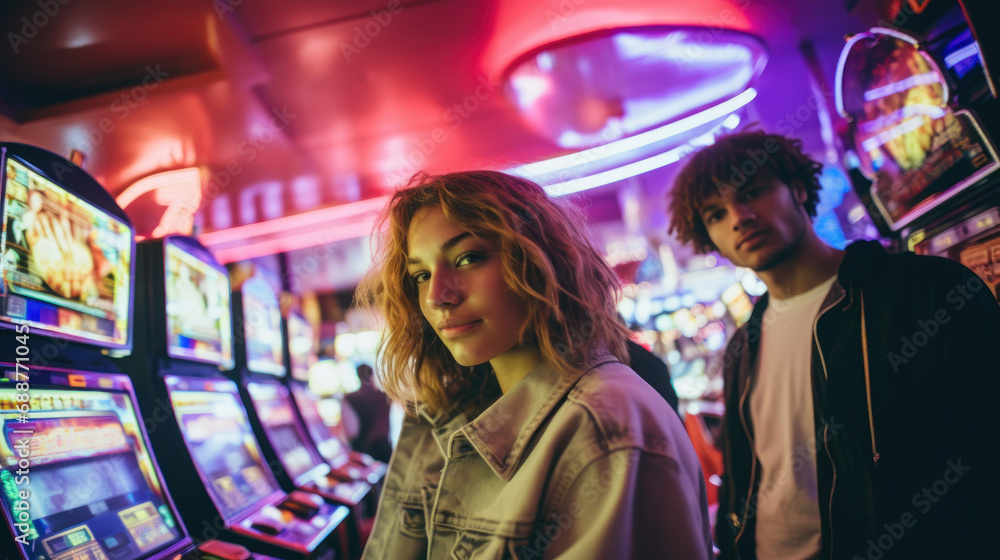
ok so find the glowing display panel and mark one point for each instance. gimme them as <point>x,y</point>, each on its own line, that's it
<point>262,326</point>
<point>92,487</point>
<point>66,264</point>
<point>276,411</point>
<point>915,149</point>
<point>199,322</point>
<point>322,419</point>
<point>300,346</point>
<point>218,436</point>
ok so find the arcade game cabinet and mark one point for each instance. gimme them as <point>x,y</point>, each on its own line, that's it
<point>923,113</point>
<point>184,337</point>
<point>78,479</point>
<point>260,363</point>
<point>328,435</point>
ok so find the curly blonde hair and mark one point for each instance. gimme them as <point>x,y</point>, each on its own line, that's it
<point>569,290</point>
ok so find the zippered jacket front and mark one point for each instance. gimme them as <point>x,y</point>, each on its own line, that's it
<point>906,382</point>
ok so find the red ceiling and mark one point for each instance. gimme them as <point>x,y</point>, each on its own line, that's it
<point>368,88</point>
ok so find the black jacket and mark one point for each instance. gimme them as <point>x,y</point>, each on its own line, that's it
<point>652,370</point>
<point>933,346</point>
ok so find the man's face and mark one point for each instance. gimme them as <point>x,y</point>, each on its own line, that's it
<point>757,226</point>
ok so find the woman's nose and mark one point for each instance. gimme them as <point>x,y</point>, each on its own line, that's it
<point>443,290</point>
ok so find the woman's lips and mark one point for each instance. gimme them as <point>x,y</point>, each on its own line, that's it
<point>459,330</point>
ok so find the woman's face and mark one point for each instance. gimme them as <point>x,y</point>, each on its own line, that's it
<point>461,288</point>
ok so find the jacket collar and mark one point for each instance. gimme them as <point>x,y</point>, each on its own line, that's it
<point>862,260</point>
<point>501,433</point>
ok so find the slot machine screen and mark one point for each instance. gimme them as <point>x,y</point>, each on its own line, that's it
<point>973,241</point>
<point>222,445</point>
<point>199,322</point>
<point>66,264</point>
<point>325,429</point>
<point>93,490</point>
<point>262,327</point>
<point>276,411</point>
<point>914,148</point>
<point>300,346</point>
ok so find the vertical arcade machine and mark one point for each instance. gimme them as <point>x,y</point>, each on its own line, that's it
<point>184,337</point>
<point>323,421</point>
<point>77,477</point>
<point>260,362</point>
<point>922,110</point>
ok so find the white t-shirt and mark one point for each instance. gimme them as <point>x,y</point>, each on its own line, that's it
<point>781,406</point>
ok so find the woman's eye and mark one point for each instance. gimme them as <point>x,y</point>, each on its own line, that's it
<point>713,217</point>
<point>469,258</point>
<point>420,277</point>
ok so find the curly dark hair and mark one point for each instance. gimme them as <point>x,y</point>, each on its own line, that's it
<point>731,163</point>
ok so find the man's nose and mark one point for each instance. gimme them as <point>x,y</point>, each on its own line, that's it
<point>742,215</point>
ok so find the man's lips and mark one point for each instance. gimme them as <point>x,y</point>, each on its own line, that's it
<point>450,329</point>
<point>751,238</point>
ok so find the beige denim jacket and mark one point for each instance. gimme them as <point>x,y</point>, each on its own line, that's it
<point>593,466</point>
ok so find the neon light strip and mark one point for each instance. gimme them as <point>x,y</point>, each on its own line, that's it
<point>300,241</point>
<point>296,221</point>
<point>965,52</point>
<point>626,171</point>
<point>931,111</point>
<point>670,130</point>
<point>364,226</point>
<point>913,81</point>
<point>871,144</point>
<point>185,176</point>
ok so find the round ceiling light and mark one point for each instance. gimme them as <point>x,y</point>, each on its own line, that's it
<point>600,87</point>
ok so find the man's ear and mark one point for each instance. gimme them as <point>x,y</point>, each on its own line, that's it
<point>799,192</point>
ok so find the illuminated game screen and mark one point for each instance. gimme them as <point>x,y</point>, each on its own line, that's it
<point>221,442</point>
<point>93,491</point>
<point>973,241</point>
<point>199,323</point>
<point>276,411</point>
<point>262,326</point>
<point>66,264</point>
<point>300,346</point>
<point>914,148</point>
<point>323,424</point>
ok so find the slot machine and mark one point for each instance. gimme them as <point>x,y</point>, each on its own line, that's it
<point>78,479</point>
<point>923,114</point>
<point>347,465</point>
<point>184,342</point>
<point>261,362</point>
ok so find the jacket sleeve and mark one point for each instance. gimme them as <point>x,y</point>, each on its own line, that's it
<point>631,504</point>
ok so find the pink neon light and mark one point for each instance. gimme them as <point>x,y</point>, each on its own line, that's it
<point>293,242</point>
<point>332,214</point>
<point>186,176</point>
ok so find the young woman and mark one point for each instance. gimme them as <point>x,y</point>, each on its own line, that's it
<point>528,437</point>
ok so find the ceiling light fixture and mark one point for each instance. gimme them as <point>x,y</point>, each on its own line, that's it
<point>676,128</point>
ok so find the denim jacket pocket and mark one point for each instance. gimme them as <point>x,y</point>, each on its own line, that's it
<point>472,545</point>
<point>412,522</point>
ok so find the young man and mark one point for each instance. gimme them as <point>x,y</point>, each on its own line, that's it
<point>862,394</point>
